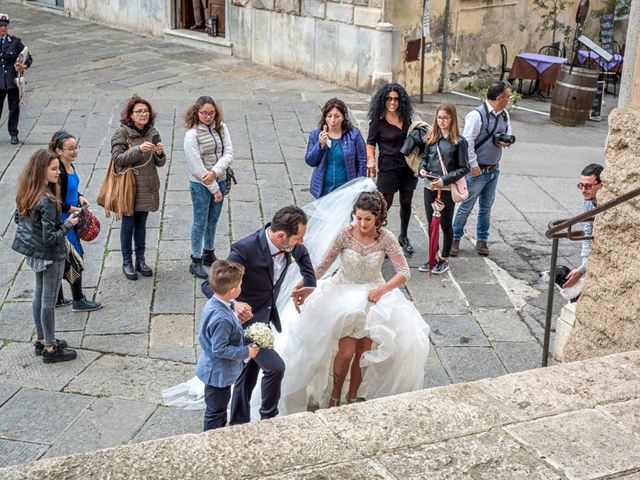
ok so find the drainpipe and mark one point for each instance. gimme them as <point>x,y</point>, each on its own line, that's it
<point>445,46</point>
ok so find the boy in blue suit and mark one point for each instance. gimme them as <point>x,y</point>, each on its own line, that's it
<point>222,341</point>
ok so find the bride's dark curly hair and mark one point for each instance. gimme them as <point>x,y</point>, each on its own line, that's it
<point>375,203</point>
<point>378,105</point>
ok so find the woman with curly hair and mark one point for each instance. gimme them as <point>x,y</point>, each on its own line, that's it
<point>390,114</point>
<point>40,236</point>
<point>354,322</point>
<point>336,150</point>
<point>136,145</point>
<point>209,152</point>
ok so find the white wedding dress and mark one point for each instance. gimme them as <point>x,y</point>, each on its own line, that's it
<point>339,308</point>
<point>308,342</point>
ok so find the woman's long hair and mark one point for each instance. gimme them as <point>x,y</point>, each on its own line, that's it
<point>32,183</point>
<point>191,119</point>
<point>58,139</point>
<point>378,105</point>
<point>375,203</point>
<point>342,108</point>
<point>434,133</point>
<point>125,116</point>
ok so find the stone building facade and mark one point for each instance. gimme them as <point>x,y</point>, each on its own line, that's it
<point>356,43</point>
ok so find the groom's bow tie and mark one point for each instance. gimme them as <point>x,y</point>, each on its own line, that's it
<point>279,252</point>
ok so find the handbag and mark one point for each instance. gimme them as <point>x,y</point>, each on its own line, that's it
<point>88,227</point>
<point>230,177</point>
<point>459,191</point>
<point>118,191</point>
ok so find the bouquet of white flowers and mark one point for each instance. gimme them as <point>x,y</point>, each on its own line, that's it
<point>260,334</point>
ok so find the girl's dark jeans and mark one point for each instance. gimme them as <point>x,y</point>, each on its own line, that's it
<point>133,229</point>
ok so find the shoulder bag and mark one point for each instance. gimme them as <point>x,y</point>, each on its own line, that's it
<point>459,191</point>
<point>118,192</point>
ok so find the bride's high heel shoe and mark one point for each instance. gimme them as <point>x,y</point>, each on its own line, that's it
<point>334,402</point>
<point>355,400</point>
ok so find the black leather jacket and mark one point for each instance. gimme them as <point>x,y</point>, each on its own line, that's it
<point>455,158</point>
<point>41,234</point>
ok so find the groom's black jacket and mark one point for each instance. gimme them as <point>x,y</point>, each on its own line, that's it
<point>258,288</point>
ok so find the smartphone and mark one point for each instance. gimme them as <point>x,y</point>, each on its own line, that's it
<point>431,176</point>
<point>155,139</point>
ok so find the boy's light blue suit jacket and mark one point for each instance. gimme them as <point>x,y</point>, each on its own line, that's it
<point>223,347</point>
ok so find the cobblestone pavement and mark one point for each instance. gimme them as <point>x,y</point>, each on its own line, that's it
<point>485,315</point>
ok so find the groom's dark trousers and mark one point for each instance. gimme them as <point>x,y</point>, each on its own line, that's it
<point>260,290</point>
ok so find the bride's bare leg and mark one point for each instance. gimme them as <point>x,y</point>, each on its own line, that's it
<point>346,350</point>
<point>362,345</point>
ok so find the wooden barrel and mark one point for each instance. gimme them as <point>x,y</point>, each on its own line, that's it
<point>573,95</point>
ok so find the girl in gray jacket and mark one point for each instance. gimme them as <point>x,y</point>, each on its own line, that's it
<point>40,236</point>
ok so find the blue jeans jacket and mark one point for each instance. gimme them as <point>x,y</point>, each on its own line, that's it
<point>355,158</point>
<point>223,348</point>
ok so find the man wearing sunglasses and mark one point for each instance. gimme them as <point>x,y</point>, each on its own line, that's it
<point>590,184</point>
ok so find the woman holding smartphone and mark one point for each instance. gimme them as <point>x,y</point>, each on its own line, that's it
<point>443,144</point>
<point>132,146</point>
<point>40,237</point>
<point>65,146</point>
<point>209,152</point>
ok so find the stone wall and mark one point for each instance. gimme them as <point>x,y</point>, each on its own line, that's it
<point>147,17</point>
<point>332,40</point>
<point>476,30</point>
<point>572,421</point>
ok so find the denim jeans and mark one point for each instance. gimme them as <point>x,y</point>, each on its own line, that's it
<point>44,301</point>
<point>206,213</point>
<point>134,228</point>
<point>483,189</point>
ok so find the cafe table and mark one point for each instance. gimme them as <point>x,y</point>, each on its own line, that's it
<point>587,57</point>
<point>543,69</point>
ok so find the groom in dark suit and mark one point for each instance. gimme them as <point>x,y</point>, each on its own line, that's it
<point>266,256</point>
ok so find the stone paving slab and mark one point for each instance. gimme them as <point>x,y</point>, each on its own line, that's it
<point>417,418</point>
<point>131,378</point>
<point>583,444</point>
<point>107,422</point>
<point>168,422</point>
<point>455,330</point>
<point>465,364</point>
<point>135,344</point>
<point>13,452</point>
<point>353,470</point>
<point>39,416</point>
<point>519,356</point>
<point>20,366</point>
<point>490,455</point>
<point>6,392</point>
<point>16,321</point>
<point>543,394</point>
<point>502,326</point>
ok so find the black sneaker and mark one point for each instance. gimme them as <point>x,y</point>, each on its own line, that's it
<point>85,305</point>
<point>406,245</point>
<point>440,267</point>
<point>208,257</point>
<point>58,355</point>
<point>424,267</point>
<point>39,346</point>
<point>14,140</point>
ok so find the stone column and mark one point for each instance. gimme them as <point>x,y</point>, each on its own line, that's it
<point>382,55</point>
<point>608,312</point>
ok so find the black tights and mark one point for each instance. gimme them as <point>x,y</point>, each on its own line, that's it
<point>406,198</point>
<point>76,290</point>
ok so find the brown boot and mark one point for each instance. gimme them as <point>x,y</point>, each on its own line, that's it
<point>482,248</point>
<point>455,248</point>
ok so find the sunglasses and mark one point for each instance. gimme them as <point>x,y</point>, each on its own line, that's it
<point>587,186</point>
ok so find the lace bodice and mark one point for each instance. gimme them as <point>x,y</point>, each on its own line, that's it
<point>363,263</point>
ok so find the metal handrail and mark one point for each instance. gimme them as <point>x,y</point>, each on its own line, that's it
<point>562,229</point>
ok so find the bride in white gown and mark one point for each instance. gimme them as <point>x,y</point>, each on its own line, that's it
<point>309,341</point>
<point>354,322</point>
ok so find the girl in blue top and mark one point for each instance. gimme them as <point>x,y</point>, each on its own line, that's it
<point>336,150</point>
<point>65,147</point>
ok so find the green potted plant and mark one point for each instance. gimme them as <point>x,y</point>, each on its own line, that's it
<point>549,11</point>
